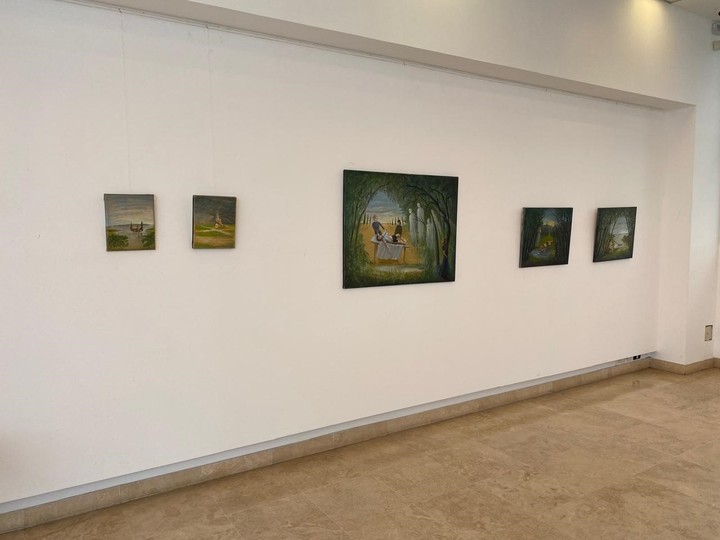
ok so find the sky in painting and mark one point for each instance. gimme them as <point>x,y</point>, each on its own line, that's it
<point>206,206</point>
<point>621,226</point>
<point>126,209</point>
<point>549,217</point>
<point>385,208</point>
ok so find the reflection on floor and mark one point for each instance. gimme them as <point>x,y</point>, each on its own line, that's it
<point>633,457</point>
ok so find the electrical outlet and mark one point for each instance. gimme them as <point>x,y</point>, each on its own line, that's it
<point>716,45</point>
<point>708,332</point>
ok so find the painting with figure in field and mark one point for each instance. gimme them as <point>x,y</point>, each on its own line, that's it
<point>545,236</point>
<point>614,234</point>
<point>213,222</point>
<point>129,222</point>
<point>398,229</point>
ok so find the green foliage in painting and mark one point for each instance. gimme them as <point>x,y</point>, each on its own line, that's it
<point>148,239</point>
<point>116,241</point>
<point>419,222</point>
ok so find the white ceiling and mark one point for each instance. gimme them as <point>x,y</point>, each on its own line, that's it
<point>706,8</point>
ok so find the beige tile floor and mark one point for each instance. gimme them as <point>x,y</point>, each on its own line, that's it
<point>633,457</point>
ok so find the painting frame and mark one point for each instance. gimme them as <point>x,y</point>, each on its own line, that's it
<point>129,222</point>
<point>398,228</point>
<point>545,234</point>
<point>614,233</point>
<point>214,219</point>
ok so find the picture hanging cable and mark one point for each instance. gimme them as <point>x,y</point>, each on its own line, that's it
<point>125,96</point>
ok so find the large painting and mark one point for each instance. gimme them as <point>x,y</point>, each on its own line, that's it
<point>545,236</point>
<point>213,222</point>
<point>398,229</point>
<point>129,222</point>
<point>614,233</point>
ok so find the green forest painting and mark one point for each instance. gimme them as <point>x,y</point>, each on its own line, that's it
<point>614,233</point>
<point>129,222</point>
<point>213,222</point>
<point>545,236</point>
<point>398,229</point>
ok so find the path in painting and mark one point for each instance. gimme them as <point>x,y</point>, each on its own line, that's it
<point>210,237</point>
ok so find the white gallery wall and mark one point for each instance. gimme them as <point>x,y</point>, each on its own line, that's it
<point>115,363</point>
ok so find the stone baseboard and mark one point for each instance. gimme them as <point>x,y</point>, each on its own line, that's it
<point>104,498</point>
<point>684,369</point>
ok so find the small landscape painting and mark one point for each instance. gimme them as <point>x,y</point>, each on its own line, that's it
<point>614,233</point>
<point>213,222</point>
<point>545,236</point>
<point>129,222</point>
<point>398,229</point>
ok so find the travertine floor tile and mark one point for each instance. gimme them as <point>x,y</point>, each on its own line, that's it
<point>643,405</point>
<point>704,526</point>
<point>353,502</point>
<point>246,490</point>
<point>694,393</point>
<point>534,491</point>
<point>591,421</point>
<point>476,461</point>
<point>685,477</point>
<point>706,455</point>
<point>532,445</point>
<point>708,411</point>
<point>617,447</point>
<point>291,518</point>
<point>167,518</point>
<point>403,526</point>
<point>691,427</point>
<point>474,511</point>
<point>586,470</point>
<point>634,509</point>
<point>15,535</point>
<point>528,528</point>
<point>658,438</point>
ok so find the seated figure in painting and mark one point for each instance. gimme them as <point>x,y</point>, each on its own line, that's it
<point>397,236</point>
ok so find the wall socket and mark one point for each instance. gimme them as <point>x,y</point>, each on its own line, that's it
<point>716,45</point>
<point>708,332</point>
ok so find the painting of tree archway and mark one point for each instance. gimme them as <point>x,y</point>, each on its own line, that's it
<point>398,229</point>
<point>545,236</point>
<point>614,233</point>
